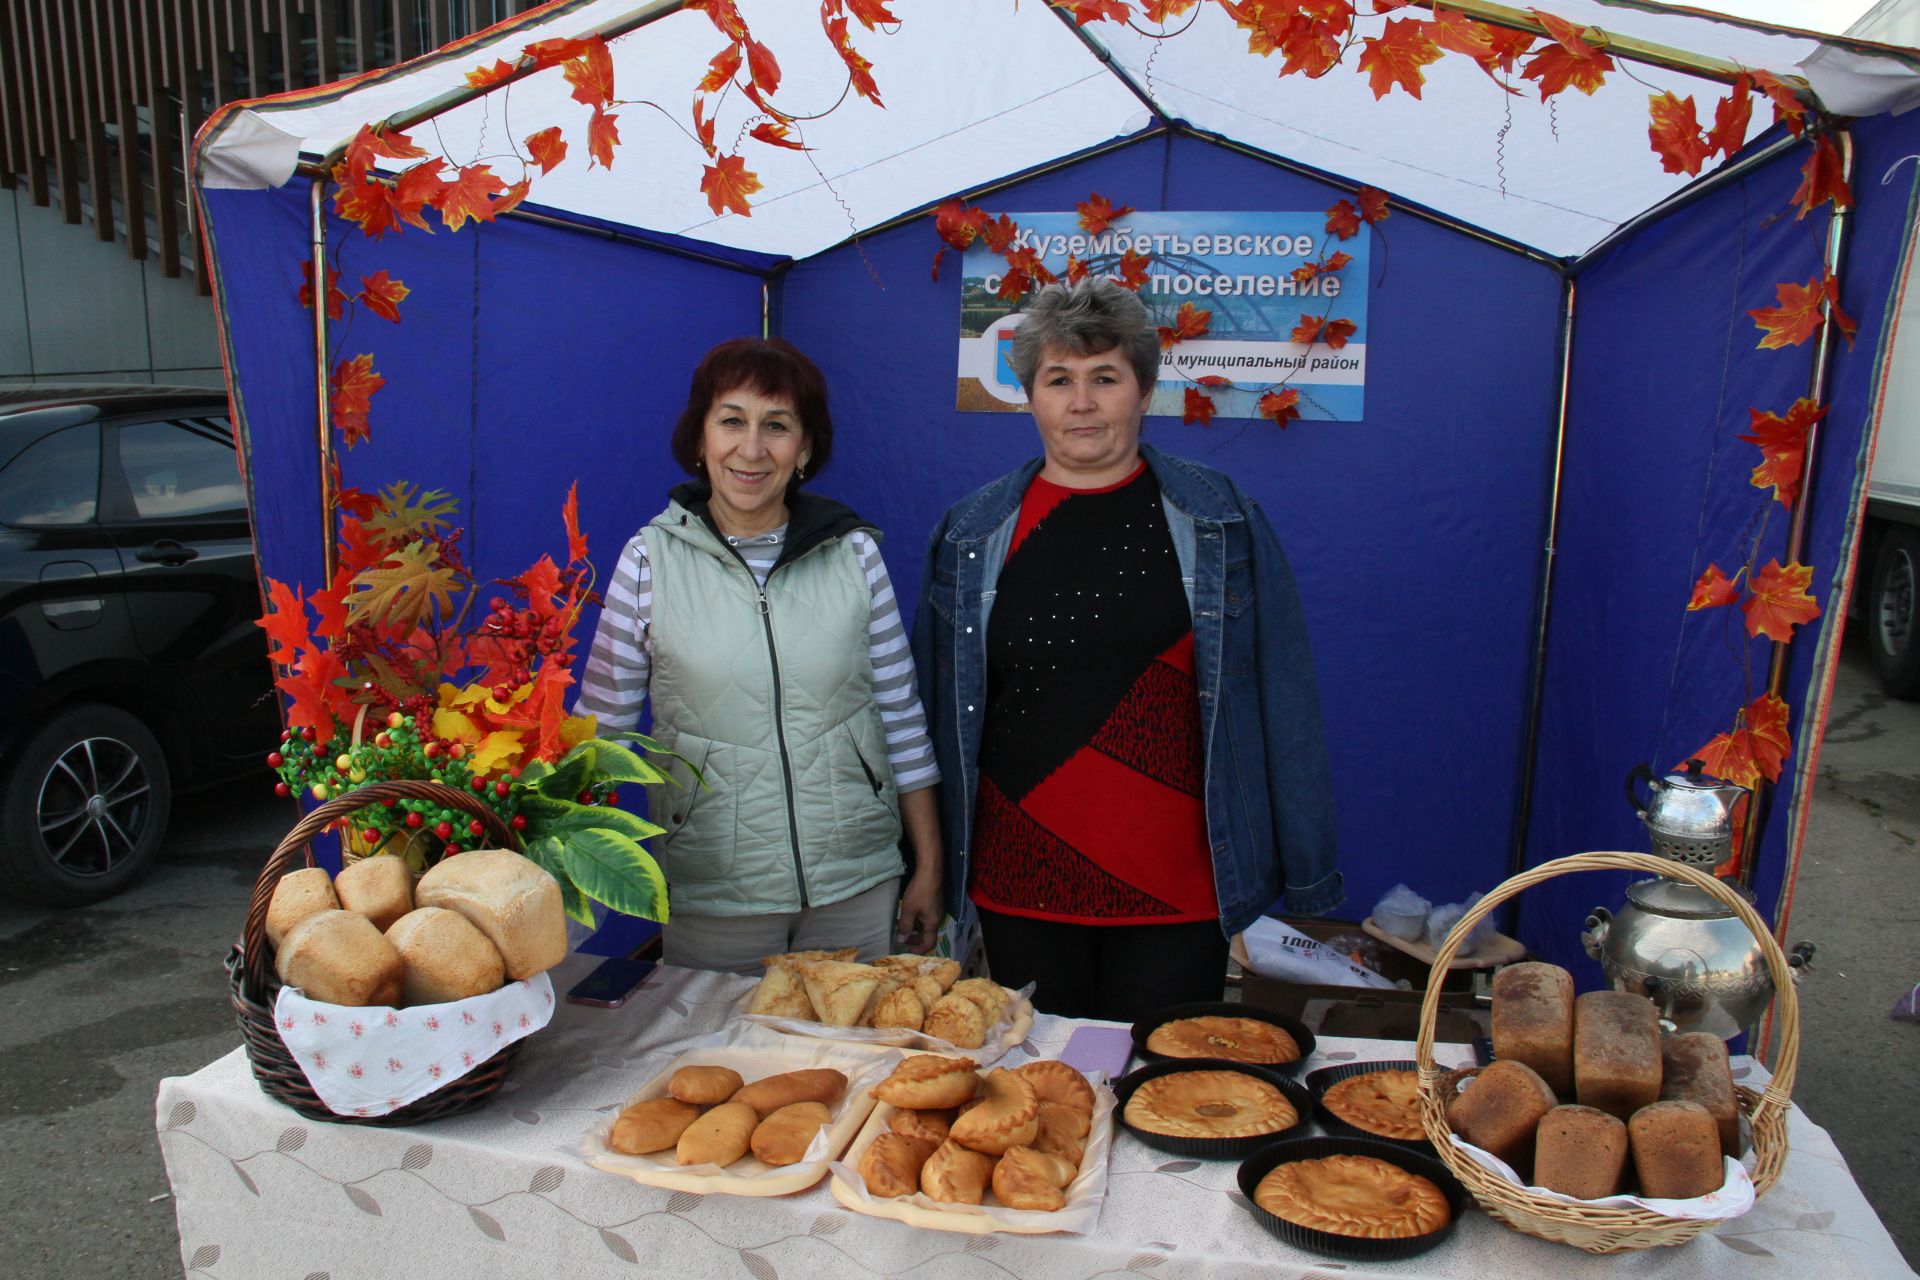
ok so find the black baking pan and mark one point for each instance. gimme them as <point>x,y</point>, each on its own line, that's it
<point>1212,1148</point>
<point>1225,1009</point>
<point>1318,1082</point>
<point>1358,1248</point>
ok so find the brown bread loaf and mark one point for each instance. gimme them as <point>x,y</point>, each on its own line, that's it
<point>446,957</point>
<point>1616,1052</point>
<point>1499,1111</point>
<point>511,900</point>
<point>338,957</point>
<point>1694,1068</point>
<point>298,895</point>
<point>1580,1152</point>
<point>1676,1150</point>
<point>379,888</point>
<point>1533,1021</point>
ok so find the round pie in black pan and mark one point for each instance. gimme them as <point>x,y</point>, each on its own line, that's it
<point>1224,1029</point>
<point>1379,1199</point>
<point>1219,1091</point>
<point>1382,1101</point>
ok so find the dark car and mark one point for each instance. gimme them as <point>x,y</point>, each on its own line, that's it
<point>130,664</point>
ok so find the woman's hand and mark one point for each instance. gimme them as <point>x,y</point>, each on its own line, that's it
<point>920,912</point>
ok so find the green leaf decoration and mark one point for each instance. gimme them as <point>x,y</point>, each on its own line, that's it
<point>533,771</point>
<point>586,817</point>
<point>612,869</point>
<point>403,589</point>
<point>615,763</point>
<point>400,518</point>
<point>570,777</point>
<point>549,853</point>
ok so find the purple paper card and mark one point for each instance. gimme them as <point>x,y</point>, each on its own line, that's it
<point>1099,1049</point>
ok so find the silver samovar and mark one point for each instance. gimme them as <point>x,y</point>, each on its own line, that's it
<point>1673,942</point>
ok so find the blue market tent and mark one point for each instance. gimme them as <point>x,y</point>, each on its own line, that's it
<point>1495,562</point>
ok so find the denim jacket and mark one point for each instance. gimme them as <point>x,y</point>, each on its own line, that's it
<point>1268,799</point>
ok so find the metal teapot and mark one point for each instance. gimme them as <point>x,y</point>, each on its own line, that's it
<point>1675,943</point>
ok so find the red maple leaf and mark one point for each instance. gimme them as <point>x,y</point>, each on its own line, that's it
<point>1307,332</point>
<point>361,546</point>
<point>335,298</point>
<point>481,77</point>
<point>1822,179</point>
<point>1455,32</point>
<point>775,134</point>
<point>1014,283</point>
<point>763,67</point>
<point>1161,10</point>
<point>1787,107</point>
<point>1198,407</point>
<point>1798,315</point>
<point>1097,213</point>
<point>1343,220</point>
<point>369,144</point>
<point>512,196</point>
<point>1731,115</point>
<point>1281,406</point>
<point>720,70</point>
<point>1508,44</point>
<point>999,232</point>
<point>1214,380</point>
<point>363,201</point>
<point>1757,747</point>
<point>1373,204</point>
<point>1397,55</point>
<point>330,606</point>
<point>603,135</point>
<point>871,13</point>
<point>1133,270</point>
<point>724,15</point>
<point>382,295</point>
<point>1675,134</point>
<point>285,623</point>
<point>1076,269</point>
<point>1313,44</point>
<point>1189,323</point>
<point>1085,11</point>
<point>315,695</point>
<point>1305,272</point>
<point>958,224</point>
<point>1026,259</point>
<point>591,74</point>
<point>1566,35</point>
<point>1777,600</point>
<point>1783,447</point>
<point>469,197</point>
<point>415,190</point>
<point>1712,590</point>
<point>1556,70</point>
<point>352,386</point>
<point>551,53</point>
<point>1338,332</point>
<point>859,70</point>
<point>570,516</point>
<point>703,128</point>
<point>547,148</point>
<point>728,184</point>
<point>1339,258</point>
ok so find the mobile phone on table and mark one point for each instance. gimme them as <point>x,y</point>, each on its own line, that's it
<point>611,982</point>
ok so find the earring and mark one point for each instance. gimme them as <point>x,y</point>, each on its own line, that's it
<point>700,464</point>
<point>800,472</point>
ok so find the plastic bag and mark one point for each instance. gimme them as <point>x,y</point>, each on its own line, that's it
<point>1402,913</point>
<point>1440,922</point>
<point>1279,951</point>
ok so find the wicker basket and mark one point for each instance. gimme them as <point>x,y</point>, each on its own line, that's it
<point>255,985</point>
<point>1595,1228</point>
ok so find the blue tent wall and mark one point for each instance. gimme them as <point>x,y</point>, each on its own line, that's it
<point>1415,534</point>
<point>1657,486</point>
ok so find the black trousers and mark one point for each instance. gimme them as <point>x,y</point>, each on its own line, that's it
<point>1119,973</point>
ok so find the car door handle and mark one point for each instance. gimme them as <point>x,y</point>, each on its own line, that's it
<point>165,551</point>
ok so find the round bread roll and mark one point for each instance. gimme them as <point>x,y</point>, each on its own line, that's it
<point>338,957</point>
<point>511,900</point>
<point>379,888</point>
<point>446,957</point>
<point>298,895</point>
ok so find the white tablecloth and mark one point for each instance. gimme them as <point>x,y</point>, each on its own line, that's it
<point>263,1193</point>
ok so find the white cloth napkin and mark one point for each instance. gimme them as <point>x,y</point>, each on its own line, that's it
<point>374,1060</point>
<point>1734,1197</point>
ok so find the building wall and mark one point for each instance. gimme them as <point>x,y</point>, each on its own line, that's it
<point>74,309</point>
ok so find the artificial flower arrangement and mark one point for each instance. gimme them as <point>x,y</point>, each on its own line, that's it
<point>387,678</point>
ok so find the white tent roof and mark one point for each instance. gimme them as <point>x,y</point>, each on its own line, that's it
<point>970,100</point>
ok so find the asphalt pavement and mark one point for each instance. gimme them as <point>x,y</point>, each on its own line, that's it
<point>101,1003</point>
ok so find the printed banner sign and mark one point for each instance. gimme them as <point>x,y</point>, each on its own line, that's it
<point>1243,268</point>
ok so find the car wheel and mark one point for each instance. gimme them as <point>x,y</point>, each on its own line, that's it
<point>83,807</point>
<point>1893,630</point>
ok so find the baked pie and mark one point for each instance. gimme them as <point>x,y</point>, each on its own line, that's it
<point>1209,1104</point>
<point>1213,1036</point>
<point>1353,1196</point>
<point>1386,1103</point>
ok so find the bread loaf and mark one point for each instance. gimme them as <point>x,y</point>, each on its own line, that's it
<point>338,957</point>
<point>1676,1150</point>
<point>446,957</point>
<point>511,900</point>
<point>1694,1068</point>
<point>1533,1021</point>
<point>379,888</point>
<point>1500,1110</point>
<point>1580,1152</point>
<point>298,895</point>
<point>1616,1052</point>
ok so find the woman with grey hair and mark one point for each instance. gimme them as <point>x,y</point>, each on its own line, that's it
<point>1133,746</point>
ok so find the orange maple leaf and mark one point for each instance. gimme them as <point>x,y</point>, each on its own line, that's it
<point>363,201</point>
<point>998,232</point>
<point>603,135</point>
<point>1085,11</point>
<point>1712,590</point>
<point>1798,315</point>
<point>591,74</point>
<point>1397,55</point>
<point>352,386</point>
<point>285,623</point>
<point>1455,32</point>
<point>551,53</point>
<point>1307,332</point>
<point>703,128</point>
<point>1731,115</point>
<point>1191,322</point>
<point>1566,35</point>
<point>1214,380</point>
<point>1338,332</point>
<point>382,295</point>
<point>1198,407</point>
<point>1822,179</point>
<point>330,606</point>
<point>763,67</point>
<point>1161,10</point>
<point>1675,134</point>
<point>335,297</point>
<point>370,143</point>
<point>547,148</point>
<point>958,224</point>
<point>1281,406</point>
<point>1304,272</point>
<point>720,70</point>
<point>1026,258</point>
<point>1787,107</point>
<point>1014,283</point>
<point>872,13</point>
<point>859,70</point>
<point>1508,45</point>
<point>1777,600</point>
<point>1757,747</point>
<point>1783,447</point>
<point>415,190</point>
<point>1339,258</point>
<point>1373,204</point>
<point>1313,44</point>
<point>469,197</point>
<point>481,77</point>
<point>1133,270</point>
<point>1097,213</point>
<point>728,184</point>
<point>570,516</point>
<point>1343,220</point>
<point>1076,269</point>
<point>512,196</point>
<point>1556,70</point>
<point>725,15</point>
<point>315,695</point>
<point>775,134</point>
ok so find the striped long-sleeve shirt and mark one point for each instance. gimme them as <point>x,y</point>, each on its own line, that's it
<point>615,683</point>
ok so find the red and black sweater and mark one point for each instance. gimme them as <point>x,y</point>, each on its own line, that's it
<point>1091,807</point>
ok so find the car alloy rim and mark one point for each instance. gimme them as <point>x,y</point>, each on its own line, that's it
<point>1896,605</point>
<point>93,806</point>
